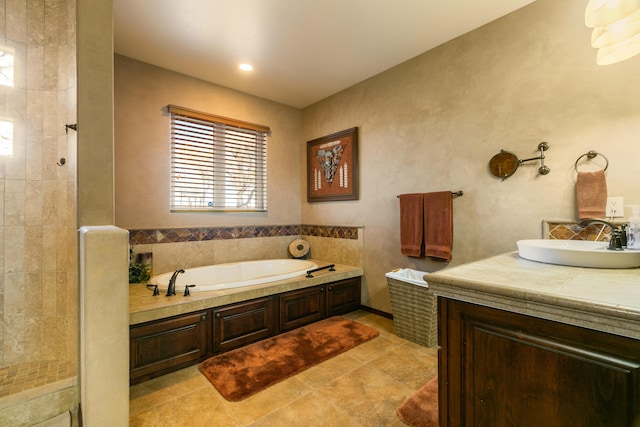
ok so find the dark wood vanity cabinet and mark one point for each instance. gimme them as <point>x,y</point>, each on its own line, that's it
<point>498,368</point>
<point>242,323</point>
<point>166,345</point>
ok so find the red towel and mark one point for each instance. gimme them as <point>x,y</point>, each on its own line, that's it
<point>411,224</point>
<point>438,225</point>
<point>591,194</point>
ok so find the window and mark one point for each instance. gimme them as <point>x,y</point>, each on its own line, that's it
<point>6,137</point>
<point>6,65</point>
<point>217,164</point>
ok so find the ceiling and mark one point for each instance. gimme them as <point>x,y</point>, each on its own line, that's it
<point>302,50</point>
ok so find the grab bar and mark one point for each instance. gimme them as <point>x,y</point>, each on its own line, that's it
<point>331,267</point>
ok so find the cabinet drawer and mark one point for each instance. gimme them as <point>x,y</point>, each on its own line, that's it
<point>167,344</point>
<point>343,296</point>
<point>301,307</point>
<point>243,323</point>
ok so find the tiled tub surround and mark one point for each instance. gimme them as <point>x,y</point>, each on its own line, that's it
<point>144,307</point>
<point>194,247</point>
<point>175,235</point>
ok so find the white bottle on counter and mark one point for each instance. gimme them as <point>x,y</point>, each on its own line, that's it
<point>633,229</point>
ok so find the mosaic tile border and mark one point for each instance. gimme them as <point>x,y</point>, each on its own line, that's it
<point>573,231</point>
<point>332,231</point>
<point>175,235</point>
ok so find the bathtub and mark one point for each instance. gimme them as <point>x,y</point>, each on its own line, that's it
<point>235,274</point>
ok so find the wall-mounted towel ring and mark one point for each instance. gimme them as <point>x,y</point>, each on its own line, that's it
<point>591,155</point>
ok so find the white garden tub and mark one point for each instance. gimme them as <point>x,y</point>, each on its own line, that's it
<point>235,274</point>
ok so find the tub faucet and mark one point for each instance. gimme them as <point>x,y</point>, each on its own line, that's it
<point>618,232</point>
<point>171,290</point>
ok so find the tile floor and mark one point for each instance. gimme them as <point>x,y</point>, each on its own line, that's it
<point>361,387</point>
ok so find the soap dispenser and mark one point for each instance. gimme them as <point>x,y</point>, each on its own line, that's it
<point>633,229</point>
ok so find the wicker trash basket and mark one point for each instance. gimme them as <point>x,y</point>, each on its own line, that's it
<point>415,309</point>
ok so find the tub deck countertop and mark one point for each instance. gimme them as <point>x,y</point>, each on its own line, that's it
<point>607,300</point>
<point>144,307</point>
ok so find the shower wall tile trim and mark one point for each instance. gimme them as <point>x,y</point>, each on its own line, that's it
<point>174,235</point>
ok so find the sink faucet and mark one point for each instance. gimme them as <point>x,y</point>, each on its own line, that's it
<point>618,233</point>
<point>171,290</point>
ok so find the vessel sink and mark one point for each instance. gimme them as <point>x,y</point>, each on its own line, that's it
<point>577,253</point>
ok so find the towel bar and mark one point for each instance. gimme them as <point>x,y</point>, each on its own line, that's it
<point>454,194</point>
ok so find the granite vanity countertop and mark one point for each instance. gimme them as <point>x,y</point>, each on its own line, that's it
<point>607,300</point>
<point>144,307</point>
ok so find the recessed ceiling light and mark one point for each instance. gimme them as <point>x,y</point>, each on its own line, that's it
<point>246,67</point>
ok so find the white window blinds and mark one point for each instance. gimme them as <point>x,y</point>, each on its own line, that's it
<point>217,163</point>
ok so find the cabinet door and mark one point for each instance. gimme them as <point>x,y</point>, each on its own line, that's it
<point>301,307</point>
<point>504,369</point>
<point>166,345</point>
<point>238,324</point>
<point>343,296</point>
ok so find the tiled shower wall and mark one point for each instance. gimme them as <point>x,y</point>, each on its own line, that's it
<point>38,296</point>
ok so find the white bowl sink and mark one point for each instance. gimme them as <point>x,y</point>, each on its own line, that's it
<point>577,253</point>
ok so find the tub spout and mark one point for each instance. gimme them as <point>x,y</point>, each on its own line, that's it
<point>171,290</point>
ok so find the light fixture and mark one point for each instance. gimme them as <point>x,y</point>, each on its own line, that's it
<point>616,29</point>
<point>246,67</point>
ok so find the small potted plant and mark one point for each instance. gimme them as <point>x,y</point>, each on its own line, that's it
<point>139,272</point>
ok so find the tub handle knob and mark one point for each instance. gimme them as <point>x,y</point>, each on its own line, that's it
<point>186,290</point>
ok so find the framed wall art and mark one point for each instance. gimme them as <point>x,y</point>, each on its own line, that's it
<point>332,167</point>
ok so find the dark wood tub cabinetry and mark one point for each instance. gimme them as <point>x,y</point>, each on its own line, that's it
<point>301,307</point>
<point>243,323</point>
<point>166,345</point>
<point>308,305</point>
<point>343,297</point>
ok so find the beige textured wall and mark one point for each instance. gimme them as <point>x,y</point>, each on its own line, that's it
<point>95,112</point>
<point>142,93</point>
<point>434,122</point>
